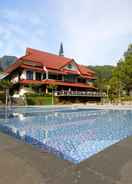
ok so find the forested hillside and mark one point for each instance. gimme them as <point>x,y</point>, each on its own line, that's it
<point>103,76</point>
<point>117,81</point>
<point>6,61</point>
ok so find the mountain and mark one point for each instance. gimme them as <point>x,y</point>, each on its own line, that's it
<point>6,61</point>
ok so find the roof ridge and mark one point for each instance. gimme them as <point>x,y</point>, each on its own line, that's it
<point>41,51</point>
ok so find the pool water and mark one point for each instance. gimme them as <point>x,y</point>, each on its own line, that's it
<point>70,133</point>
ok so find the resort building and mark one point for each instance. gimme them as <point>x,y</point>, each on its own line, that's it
<point>41,70</point>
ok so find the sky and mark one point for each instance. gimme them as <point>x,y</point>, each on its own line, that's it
<point>93,32</point>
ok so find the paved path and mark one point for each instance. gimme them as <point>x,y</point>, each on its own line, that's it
<point>23,164</point>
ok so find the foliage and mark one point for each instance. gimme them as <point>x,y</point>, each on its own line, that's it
<point>122,75</point>
<point>116,81</point>
<point>52,86</point>
<point>103,75</point>
<point>39,100</point>
<point>37,95</point>
<point>2,98</point>
<point>5,84</point>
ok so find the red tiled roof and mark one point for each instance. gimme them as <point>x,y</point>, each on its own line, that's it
<point>56,71</point>
<point>47,59</point>
<point>71,72</point>
<point>61,83</point>
<point>51,62</point>
<point>88,77</point>
<point>58,83</point>
<point>85,70</point>
<point>34,68</point>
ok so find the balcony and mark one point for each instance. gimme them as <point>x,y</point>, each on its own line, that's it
<point>79,93</point>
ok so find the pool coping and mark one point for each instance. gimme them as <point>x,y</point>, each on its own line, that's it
<point>93,106</point>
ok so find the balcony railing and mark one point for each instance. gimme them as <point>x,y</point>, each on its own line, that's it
<point>79,93</point>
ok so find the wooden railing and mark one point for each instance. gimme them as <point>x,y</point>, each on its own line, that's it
<point>80,93</point>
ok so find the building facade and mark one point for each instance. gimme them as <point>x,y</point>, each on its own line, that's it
<point>41,70</point>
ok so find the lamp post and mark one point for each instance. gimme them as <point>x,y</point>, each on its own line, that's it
<point>119,92</point>
<point>52,96</point>
<point>52,87</point>
<point>108,88</point>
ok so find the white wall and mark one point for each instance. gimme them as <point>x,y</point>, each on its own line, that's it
<point>73,66</point>
<point>23,75</point>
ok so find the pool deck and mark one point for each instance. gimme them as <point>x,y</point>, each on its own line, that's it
<point>23,164</point>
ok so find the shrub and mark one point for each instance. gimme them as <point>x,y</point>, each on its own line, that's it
<point>39,100</point>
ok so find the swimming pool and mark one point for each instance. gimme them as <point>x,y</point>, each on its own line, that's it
<point>70,133</point>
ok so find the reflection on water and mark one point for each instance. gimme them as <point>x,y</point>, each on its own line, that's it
<point>73,134</point>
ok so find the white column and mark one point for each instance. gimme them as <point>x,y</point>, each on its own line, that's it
<point>42,76</point>
<point>34,75</point>
<point>46,90</point>
<point>62,77</point>
<point>47,75</point>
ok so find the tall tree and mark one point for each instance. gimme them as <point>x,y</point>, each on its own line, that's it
<point>123,73</point>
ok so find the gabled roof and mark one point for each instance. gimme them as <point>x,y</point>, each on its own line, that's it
<point>84,70</point>
<point>50,61</point>
<point>53,61</point>
<point>47,59</point>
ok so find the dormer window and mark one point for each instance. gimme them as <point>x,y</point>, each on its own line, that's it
<point>69,66</point>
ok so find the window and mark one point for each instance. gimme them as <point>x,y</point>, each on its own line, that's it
<point>59,77</point>
<point>82,80</point>
<point>52,76</point>
<point>38,76</point>
<point>44,76</point>
<point>70,78</point>
<point>29,75</point>
<point>70,66</point>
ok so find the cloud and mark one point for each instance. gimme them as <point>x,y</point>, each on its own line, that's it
<point>92,31</point>
<point>18,31</point>
<point>96,32</point>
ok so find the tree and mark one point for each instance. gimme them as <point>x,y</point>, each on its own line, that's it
<point>122,74</point>
<point>6,85</point>
<point>129,51</point>
<point>103,75</point>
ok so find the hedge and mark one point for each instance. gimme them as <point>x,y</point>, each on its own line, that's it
<point>39,100</point>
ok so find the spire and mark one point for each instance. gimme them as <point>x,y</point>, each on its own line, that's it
<point>61,51</point>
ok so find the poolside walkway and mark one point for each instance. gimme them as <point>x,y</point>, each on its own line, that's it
<point>23,164</point>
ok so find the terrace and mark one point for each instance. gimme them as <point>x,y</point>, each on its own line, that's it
<point>80,93</point>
